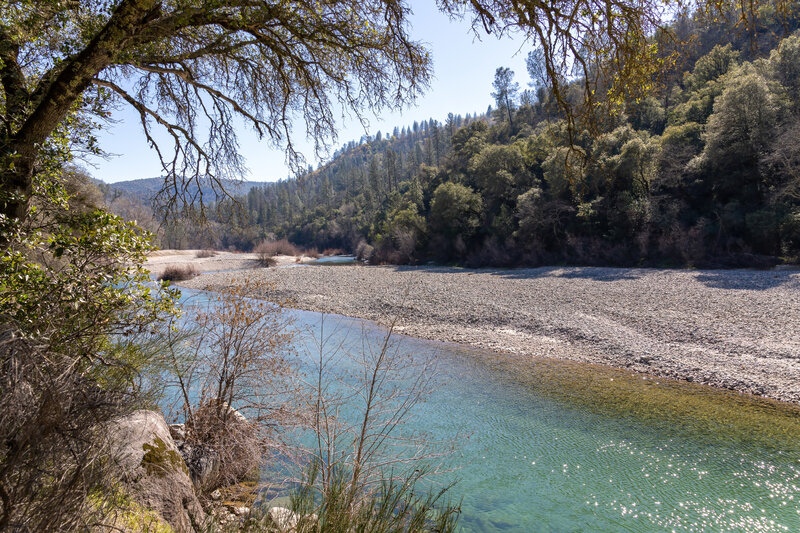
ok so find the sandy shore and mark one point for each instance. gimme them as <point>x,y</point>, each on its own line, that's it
<point>735,329</point>
<point>222,261</point>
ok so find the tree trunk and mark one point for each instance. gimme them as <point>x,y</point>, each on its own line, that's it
<point>56,95</point>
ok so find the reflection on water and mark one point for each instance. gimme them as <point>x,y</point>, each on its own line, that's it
<point>558,446</point>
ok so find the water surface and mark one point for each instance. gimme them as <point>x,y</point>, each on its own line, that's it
<point>555,446</point>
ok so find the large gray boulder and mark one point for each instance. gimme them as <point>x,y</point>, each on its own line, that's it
<point>152,470</point>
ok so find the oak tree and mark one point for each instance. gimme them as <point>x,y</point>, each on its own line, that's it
<point>193,68</point>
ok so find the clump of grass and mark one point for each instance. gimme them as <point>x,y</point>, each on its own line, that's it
<point>202,254</point>
<point>178,273</point>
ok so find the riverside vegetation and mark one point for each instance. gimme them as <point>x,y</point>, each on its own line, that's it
<point>702,171</point>
<point>82,326</point>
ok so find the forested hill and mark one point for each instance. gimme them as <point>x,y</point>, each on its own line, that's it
<point>705,171</point>
<point>145,189</point>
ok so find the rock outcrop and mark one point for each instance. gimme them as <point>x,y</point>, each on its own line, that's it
<point>152,470</point>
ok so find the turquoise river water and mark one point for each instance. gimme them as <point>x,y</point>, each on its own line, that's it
<point>553,446</point>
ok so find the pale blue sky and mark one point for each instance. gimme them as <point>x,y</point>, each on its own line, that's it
<point>463,73</point>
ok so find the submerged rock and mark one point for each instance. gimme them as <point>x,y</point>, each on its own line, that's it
<point>152,470</point>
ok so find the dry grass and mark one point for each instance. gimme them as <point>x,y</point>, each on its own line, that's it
<point>178,273</point>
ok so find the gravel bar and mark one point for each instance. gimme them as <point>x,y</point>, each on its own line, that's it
<point>736,329</point>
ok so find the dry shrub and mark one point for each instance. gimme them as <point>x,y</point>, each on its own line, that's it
<point>52,449</point>
<point>333,251</point>
<point>267,250</point>
<point>312,253</point>
<point>266,254</point>
<point>203,254</point>
<point>178,273</point>
<point>281,247</point>
<point>241,358</point>
<point>235,441</point>
<point>364,251</point>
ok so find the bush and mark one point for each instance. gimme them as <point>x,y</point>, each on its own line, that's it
<point>282,247</point>
<point>364,251</point>
<point>235,441</point>
<point>203,254</point>
<point>266,254</point>
<point>333,251</point>
<point>178,273</point>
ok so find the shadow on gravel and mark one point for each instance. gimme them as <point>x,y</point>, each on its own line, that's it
<point>748,280</point>
<point>590,273</point>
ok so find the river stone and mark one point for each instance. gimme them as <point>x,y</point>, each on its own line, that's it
<point>152,470</point>
<point>283,519</point>
<point>286,521</point>
<point>178,432</point>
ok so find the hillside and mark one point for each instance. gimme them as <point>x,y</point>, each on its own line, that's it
<point>702,172</point>
<point>145,189</point>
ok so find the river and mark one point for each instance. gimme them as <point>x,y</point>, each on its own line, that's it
<point>546,445</point>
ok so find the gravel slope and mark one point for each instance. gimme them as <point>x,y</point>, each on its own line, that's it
<point>737,329</point>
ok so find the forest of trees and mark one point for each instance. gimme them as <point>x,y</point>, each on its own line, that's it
<point>704,172</point>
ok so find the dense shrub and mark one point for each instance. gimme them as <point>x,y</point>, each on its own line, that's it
<point>364,251</point>
<point>203,254</point>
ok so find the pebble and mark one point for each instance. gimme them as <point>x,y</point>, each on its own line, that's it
<point>735,329</point>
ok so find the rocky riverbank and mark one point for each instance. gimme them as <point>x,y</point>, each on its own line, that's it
<point>736,329</point>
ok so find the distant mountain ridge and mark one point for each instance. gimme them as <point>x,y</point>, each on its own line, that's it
<point>145,189</point>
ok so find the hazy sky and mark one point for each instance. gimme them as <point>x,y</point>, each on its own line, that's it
<point>463,73</point>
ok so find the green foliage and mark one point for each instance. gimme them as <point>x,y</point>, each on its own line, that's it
<point>703,169</point>
<point>785,64</point>
<point>738,134</point>
<point>122,513</point>
<point>455,210</point>
<point>73,298</point>
<point>77,270</point>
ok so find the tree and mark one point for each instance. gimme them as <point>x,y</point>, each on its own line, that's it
<point>75,310</point>
<point>237,359</point>
<point>181,65</point>
<point>455,216</point>
<point>505,92</point>
<point>738,133</point>
<point>616,48</point>
<point>785,63</point>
